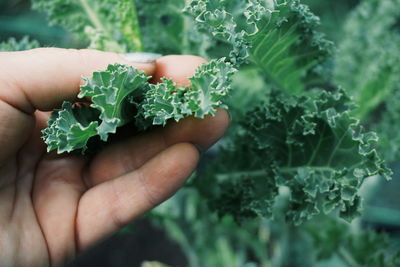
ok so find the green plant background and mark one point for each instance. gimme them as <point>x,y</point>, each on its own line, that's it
<point>17,19</point>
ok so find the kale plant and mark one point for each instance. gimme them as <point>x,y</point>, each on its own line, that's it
<point>286,179</point>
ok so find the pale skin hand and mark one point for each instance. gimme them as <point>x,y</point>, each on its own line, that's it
<point>54,206</point>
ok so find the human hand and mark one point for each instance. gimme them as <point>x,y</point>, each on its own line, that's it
<point>54,206</point>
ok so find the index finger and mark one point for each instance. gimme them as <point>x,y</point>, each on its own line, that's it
<point>43,78</point>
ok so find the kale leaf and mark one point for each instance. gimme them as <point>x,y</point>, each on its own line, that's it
<point>209,85</point>
<point>121,94</point>
<point>368,60</point>
<point>309,147</point>
<point>279,37</point>
<point>110,25</point>
<point>110,91</point>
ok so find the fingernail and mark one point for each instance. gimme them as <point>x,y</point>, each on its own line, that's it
<point>141,57</point>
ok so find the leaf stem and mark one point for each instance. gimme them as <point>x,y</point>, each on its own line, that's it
<point>347,257</point>
<point>136,38</point>
<point>256,173</point>
<point>96,21</point>
<point>92,15</point>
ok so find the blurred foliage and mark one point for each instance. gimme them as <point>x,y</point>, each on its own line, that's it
<point>153,264</point>
<point>323,241</point>
<point>18,20</point>
<point>209,241</point>
<point>110,25</point>
<point>13,45</point>
<point>332,15</point>
<point>368,66</point>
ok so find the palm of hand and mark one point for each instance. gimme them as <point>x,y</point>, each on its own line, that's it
<point>29,226</point>
<point>53,206</point>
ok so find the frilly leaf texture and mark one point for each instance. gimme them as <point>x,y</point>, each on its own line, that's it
<point>208,86</point>
<point>70,128</point>
<point>309,145</point>
<point>109,90</point>
<point>121,94</point>
<point>278,36</point>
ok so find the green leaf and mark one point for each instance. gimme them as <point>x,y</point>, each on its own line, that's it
<point>109,25</point>
<point>368,59</point>
<point>289,49</point>
<point>387,127</point>
<point>121,94</point>
<point>128,23</point>
<point>213,17</point>
<point>13,45</point>
<point>164,101</point>
<point>109,92</point>
<point>280,38</point>
<point>309,145</point>
<point>70,128</point>
<point>209,85</point>
<point>165,15</point>
<point>354,247</point>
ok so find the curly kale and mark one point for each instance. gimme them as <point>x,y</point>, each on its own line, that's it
<point>296,151</point>
<point>70,128</point>
<point>309,146</point>
<point>279,37</point>
<point>209,85</point>
<point>368,66</point>
<point>121,93</point>
<point>110,91</point>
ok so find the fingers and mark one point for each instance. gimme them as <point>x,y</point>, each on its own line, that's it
<point>178,68</point>
<point>15,129</point>
<point>42,78</point>
<point>57,190</point>
<point>107,207</point>
<point>124,157</point>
